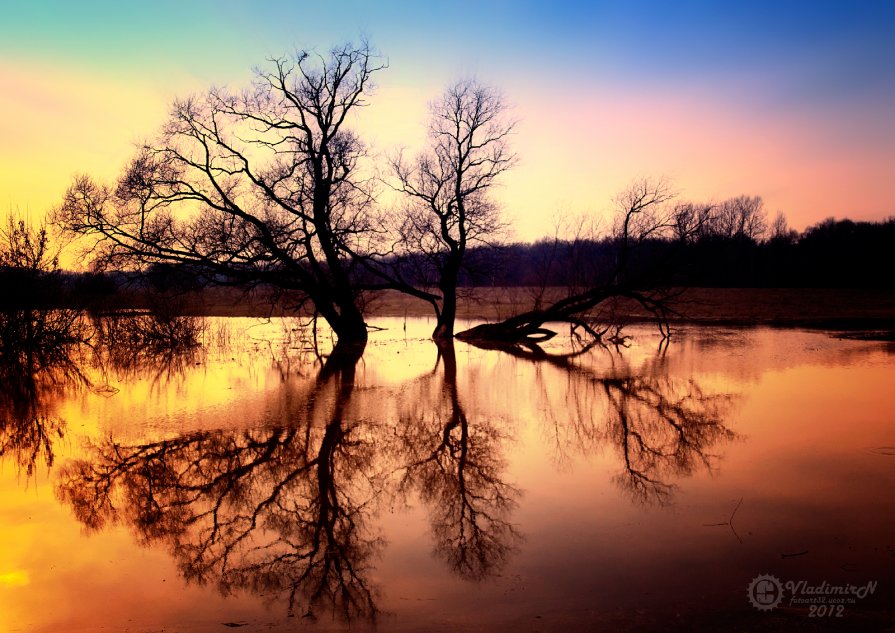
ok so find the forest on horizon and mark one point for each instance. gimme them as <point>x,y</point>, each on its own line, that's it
<point>831,254</point>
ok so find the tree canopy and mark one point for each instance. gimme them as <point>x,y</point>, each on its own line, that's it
<point>258,186</point>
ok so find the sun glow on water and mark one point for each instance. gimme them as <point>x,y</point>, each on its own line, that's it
<point>15,578</point>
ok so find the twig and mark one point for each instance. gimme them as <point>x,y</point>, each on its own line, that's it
<point>729,523</point>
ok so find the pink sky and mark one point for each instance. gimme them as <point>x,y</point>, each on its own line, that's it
<point>718,105</point>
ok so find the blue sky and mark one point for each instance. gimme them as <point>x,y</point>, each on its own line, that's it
<point>794,99</point>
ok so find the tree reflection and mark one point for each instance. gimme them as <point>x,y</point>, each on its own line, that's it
<point>456,467</point>
<point>158,343</point>
<point>44,354</point>
<point>662,429</point>
<point>277,511</point>
<point>283,509</point>
<point>38,361</point>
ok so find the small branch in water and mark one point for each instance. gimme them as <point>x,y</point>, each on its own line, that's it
<point>794,555</point>
<point>729,523</point>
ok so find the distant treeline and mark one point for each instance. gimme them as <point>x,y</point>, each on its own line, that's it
<point>25,288</point>
<point>831,254</point>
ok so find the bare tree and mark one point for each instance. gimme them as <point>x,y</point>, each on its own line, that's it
<point>692,220</point>
<point>29,266</point>
<point>741,217</point>
<point>780,230</point>
<point>448,185</point>
<point>643,215</point>
<point>25,247</point>
<point>258,187</point>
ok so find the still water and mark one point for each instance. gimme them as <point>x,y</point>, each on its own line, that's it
<point>248,485</point>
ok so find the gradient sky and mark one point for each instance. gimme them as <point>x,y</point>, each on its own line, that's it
<point>794,103</point>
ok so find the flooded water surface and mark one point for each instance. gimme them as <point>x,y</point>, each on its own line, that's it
<point>249,484</point>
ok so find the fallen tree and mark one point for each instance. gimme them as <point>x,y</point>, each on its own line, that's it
<point>574,311</point>
<point>646,215</point>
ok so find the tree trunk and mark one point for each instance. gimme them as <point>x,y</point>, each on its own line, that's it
<point>349,326</point>
<point>345,319</point>
<point>528,327</point>
<point>444,328</point>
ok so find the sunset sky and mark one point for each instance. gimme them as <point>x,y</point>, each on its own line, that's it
<point>794,104</point>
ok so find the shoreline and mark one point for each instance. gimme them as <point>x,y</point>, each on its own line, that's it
<point>844,310</point>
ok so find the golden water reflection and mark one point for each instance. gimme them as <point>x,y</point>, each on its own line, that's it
<point>276,510</point>
<point>400,483</point>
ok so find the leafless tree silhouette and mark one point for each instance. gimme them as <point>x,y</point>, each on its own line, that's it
<point>38,349</point>
<point>447,187</point>
<point>644,213</point>
<point>743,217</point>
<point>262,186</point>
<point>27,248</point>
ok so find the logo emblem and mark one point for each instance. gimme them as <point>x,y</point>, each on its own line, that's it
<point>765,592</point>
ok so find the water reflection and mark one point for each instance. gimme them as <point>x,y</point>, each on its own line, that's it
<point>38,361</point>
<point>158,344</point>
<point>456,466</point>
<point>285,507</point>
<point>46,355</point>
<point>661,428</point>
<point>278,511</point>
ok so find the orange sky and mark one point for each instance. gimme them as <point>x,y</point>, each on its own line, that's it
<point>804,123</point>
